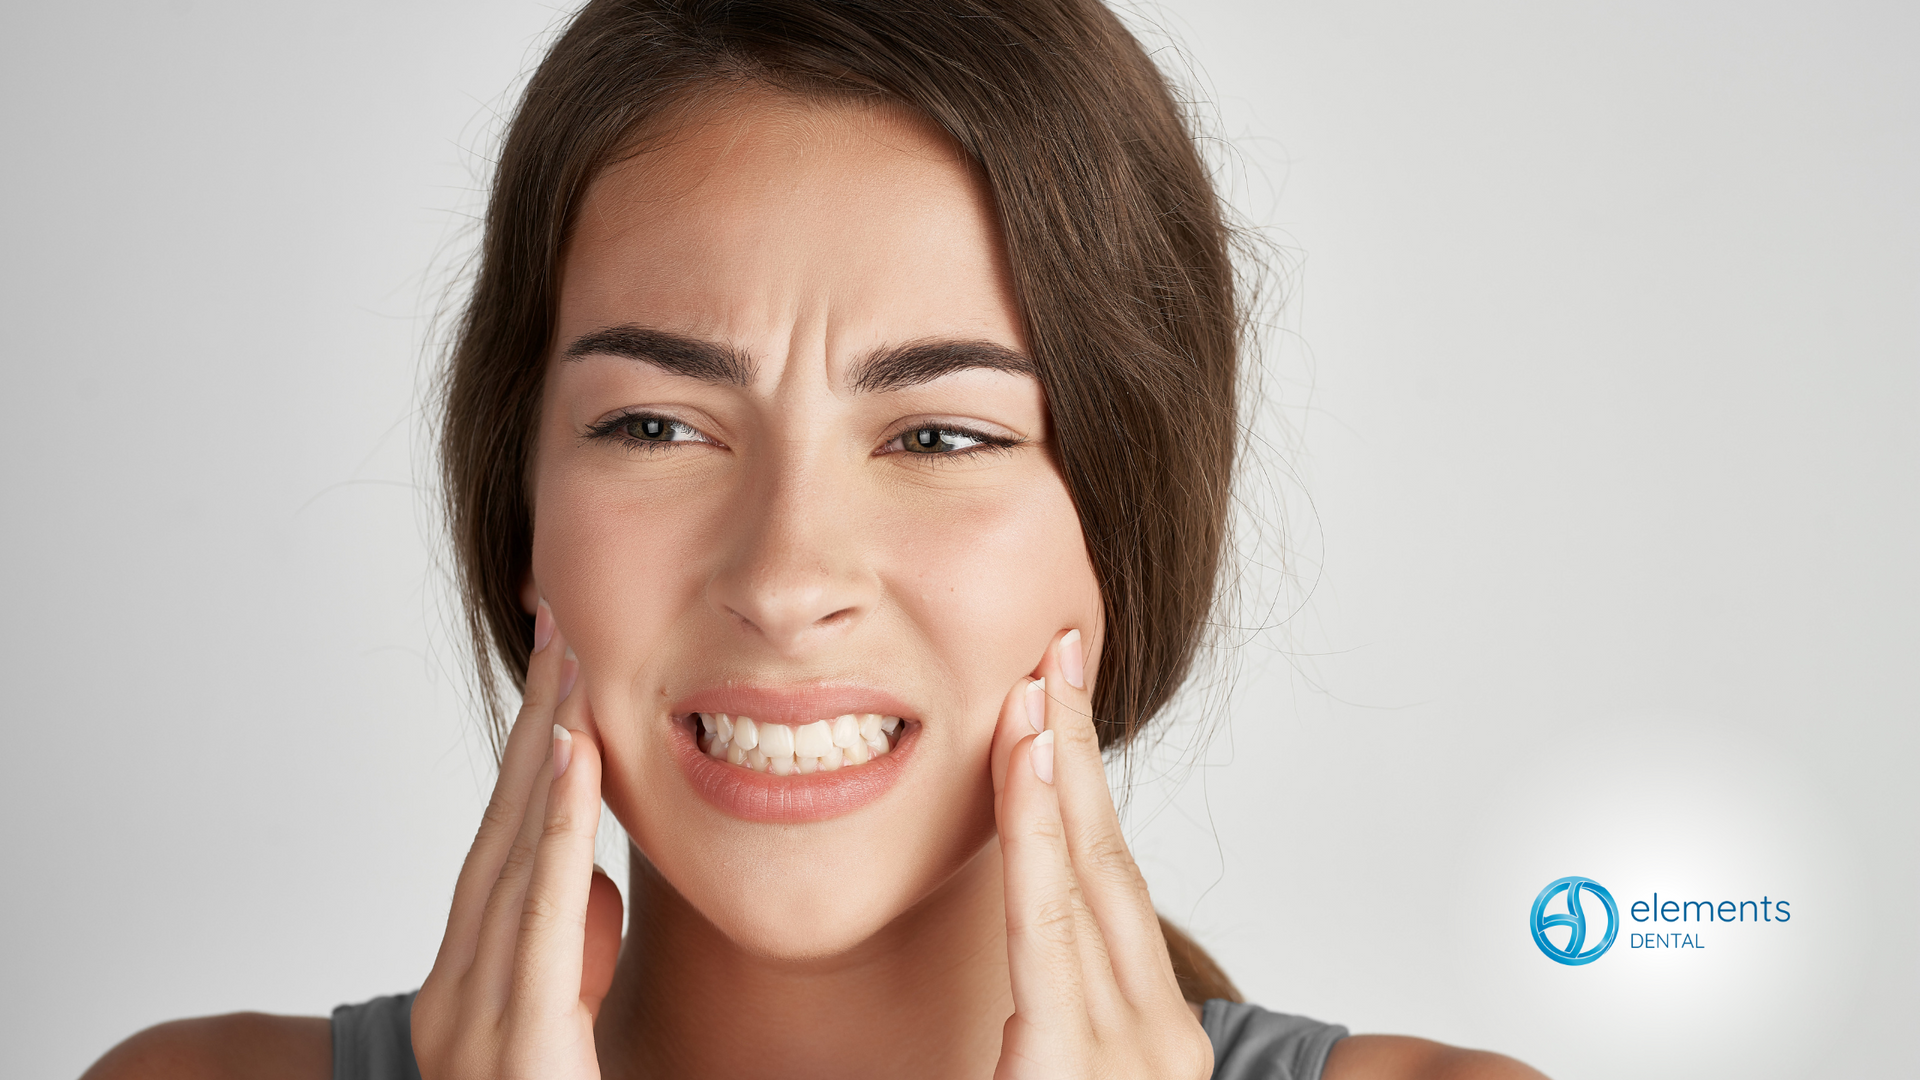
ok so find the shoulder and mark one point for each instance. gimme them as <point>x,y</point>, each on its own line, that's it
<point>1397,1057</point>
<point>1251,1043</point>
<point>238,1046</point>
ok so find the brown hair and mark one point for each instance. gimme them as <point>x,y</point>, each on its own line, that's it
<point>1115,236</point>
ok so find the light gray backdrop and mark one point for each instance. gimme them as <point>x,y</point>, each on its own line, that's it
<point>1600,372</point>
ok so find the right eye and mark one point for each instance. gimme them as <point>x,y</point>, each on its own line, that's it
<point>657,429</point>
<point>934,440</point>
<point>643,429</point>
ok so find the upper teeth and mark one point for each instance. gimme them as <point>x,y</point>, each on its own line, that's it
<point>852,739</point>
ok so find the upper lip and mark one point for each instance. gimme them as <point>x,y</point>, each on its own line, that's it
<point>793,705</point>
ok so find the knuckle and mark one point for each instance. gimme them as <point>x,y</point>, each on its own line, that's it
<point>538,915</point>
<point>519,859</point>
<point>517,869</point>
<point>560,824</point>
<point>1046,827</point>
<point>501,815</point>
<point>533,703</point>
<point>1109,858</point>
<point>1054,920</point>
<point>1081,734</point>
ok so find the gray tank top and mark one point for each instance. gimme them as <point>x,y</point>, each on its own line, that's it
<point>371,1041</point>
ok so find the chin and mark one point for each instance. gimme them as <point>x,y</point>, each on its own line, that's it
<point>810,917</point>
<point>786,899</point>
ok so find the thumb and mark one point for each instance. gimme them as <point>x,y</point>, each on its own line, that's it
<point>602,949</point>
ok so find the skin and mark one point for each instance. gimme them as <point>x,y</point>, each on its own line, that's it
<point>981,916</point>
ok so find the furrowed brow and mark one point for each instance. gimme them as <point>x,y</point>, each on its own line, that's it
<point>674,353</point>
<point>924,361</point>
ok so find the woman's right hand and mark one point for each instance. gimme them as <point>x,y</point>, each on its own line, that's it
<point>535,928</point>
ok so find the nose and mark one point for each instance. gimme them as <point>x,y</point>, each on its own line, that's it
<point>795,575</point>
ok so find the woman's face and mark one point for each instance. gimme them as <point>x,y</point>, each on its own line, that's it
<point>792,466</point>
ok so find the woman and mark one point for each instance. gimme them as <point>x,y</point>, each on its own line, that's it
<point>837,448</point>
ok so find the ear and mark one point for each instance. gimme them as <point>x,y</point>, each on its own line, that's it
<point>529,593</point>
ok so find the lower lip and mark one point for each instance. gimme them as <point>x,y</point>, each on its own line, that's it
<point>788,800</point>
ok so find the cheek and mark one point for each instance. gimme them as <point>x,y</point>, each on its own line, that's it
<point>991,580</point>
<point>616,566</point>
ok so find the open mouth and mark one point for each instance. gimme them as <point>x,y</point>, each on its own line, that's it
<point>846,741</point>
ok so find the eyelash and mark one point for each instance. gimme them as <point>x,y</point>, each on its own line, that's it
<point>613,428</point>
<point>984,443</point>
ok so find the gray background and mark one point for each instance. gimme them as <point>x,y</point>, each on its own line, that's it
<point>1592,418</point>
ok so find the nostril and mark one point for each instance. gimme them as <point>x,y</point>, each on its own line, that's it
<point>792,615</point>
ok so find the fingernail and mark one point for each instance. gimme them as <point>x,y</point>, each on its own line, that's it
<point>569,671</point>
<point>1073,660</point>
<point>542,626</point>
<point>1042,756</point>
<point>563,751</point>
<point>1037,704</point>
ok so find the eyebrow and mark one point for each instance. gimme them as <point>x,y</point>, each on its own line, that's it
<point>674,353</point>
<point>889,368</point>
<point>917,362</point>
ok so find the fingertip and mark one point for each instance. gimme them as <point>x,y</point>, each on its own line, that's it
<point>579,746</point>
<point>1008,729</point>
<point>1032,758</point>
<point>542,626</point>
<point>1073,659</point>
<point>1040,757</point>
<point>569,674</point>
<point>574,790</point>
<point>549,672</point>
<point>1036,701</point>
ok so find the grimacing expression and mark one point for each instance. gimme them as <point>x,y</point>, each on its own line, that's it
<point>790,458</point>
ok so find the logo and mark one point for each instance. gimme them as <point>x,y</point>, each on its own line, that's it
<point>1575,950</point>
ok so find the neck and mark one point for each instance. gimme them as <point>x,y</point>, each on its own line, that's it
<point>927,996</point>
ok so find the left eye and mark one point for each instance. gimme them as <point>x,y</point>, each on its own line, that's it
<point>938,441</point>
<point>657,429</point>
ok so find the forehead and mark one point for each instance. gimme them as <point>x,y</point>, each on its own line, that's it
<point>766,220</point>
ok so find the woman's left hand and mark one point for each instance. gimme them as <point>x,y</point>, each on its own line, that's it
<point>1094,994</point>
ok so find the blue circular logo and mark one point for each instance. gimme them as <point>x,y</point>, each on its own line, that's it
<point>1575,950</point>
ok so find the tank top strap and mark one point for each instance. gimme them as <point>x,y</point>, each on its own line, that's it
<point>1250,1043</point>
<point>374,1040</point>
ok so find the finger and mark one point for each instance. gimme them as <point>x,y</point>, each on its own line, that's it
<point>550,955</point>
<point>602,952</point>
<point>1111,883</point>
<point>548,671</point>
<point>1043,947</point>
<point>1008,731</point>
<point>1022,715</point>
<point>499,936</point>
